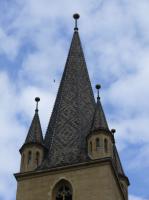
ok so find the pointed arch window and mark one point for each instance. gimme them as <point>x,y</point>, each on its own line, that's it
<point>106,145</point>
<point>37,158</point>
<point>23,161</point>
<point>29,157</point>
<point>91,147</point>
<point>97,144</point>
<point>63,191</point>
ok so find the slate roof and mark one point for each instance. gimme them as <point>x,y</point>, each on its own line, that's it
<point>99,119</point>
<point>35,132</point>
<point>73,111</point>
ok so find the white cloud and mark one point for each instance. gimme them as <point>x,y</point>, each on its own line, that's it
<point>132,197</point>
<point>9,45</point>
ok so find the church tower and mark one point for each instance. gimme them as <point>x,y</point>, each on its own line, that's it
<point>78,158</point>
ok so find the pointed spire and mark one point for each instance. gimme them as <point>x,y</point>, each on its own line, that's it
<point>35,133</point>
<point>99,119</point>
<point>73,111</point>
<point>76,16</point>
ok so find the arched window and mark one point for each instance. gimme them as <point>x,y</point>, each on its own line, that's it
<point>97,143</point>
<point>29,157</point>
<point>63,191</point>
<point>23,159</point>
<point>23,162</point>
<point>91,148</point>
<point>106,145</point>
<point>37,158</point>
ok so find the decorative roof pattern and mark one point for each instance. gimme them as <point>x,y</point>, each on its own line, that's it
<point>35,132</point>
<point>99,119</point>
<point>73,111</point>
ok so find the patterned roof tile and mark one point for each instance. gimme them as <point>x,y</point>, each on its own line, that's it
<point>73,111</point>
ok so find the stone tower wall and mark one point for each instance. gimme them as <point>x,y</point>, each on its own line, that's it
<point>89,182</point>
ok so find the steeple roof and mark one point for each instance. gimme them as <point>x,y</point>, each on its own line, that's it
<point>73,111</point>
<point>99,119</point>
<point>35,132</point>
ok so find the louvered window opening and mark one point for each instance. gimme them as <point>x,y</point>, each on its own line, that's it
<point>37,158</point>
<point>29,157</point>
<point>97,144</point>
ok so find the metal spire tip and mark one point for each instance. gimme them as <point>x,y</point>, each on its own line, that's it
<point>98,86</point>
<point>76,16</point>
<point>37,99</point>
<point>113,131</point>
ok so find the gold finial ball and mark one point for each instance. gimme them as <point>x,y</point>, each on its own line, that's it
<point>76,16</point>
<point>113,130</point>
<point>37,99</point>
<point>98,86</point>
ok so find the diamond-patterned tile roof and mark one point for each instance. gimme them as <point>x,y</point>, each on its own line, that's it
<point>99,119</point>
<point>35,132</point>
<point>73,111</point>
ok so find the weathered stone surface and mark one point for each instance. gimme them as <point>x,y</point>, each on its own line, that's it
<point>90,182</point>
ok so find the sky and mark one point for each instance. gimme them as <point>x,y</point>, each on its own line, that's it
<point>34,41</point>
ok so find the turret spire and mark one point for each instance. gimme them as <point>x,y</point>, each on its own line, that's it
<point>116,156</point>
<point>35,133</point>
<point>99,119</point>
<point>76,16</point>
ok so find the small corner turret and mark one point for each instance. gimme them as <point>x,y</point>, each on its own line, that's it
<point>32,151</point>
<point>101,143</point>
<point>124,181</point>
<point>100,139</point>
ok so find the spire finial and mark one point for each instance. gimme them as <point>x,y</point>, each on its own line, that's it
<point>98,86</point>
<point>76,16</point>
<point>37,99</point>
<point>113,131</point>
